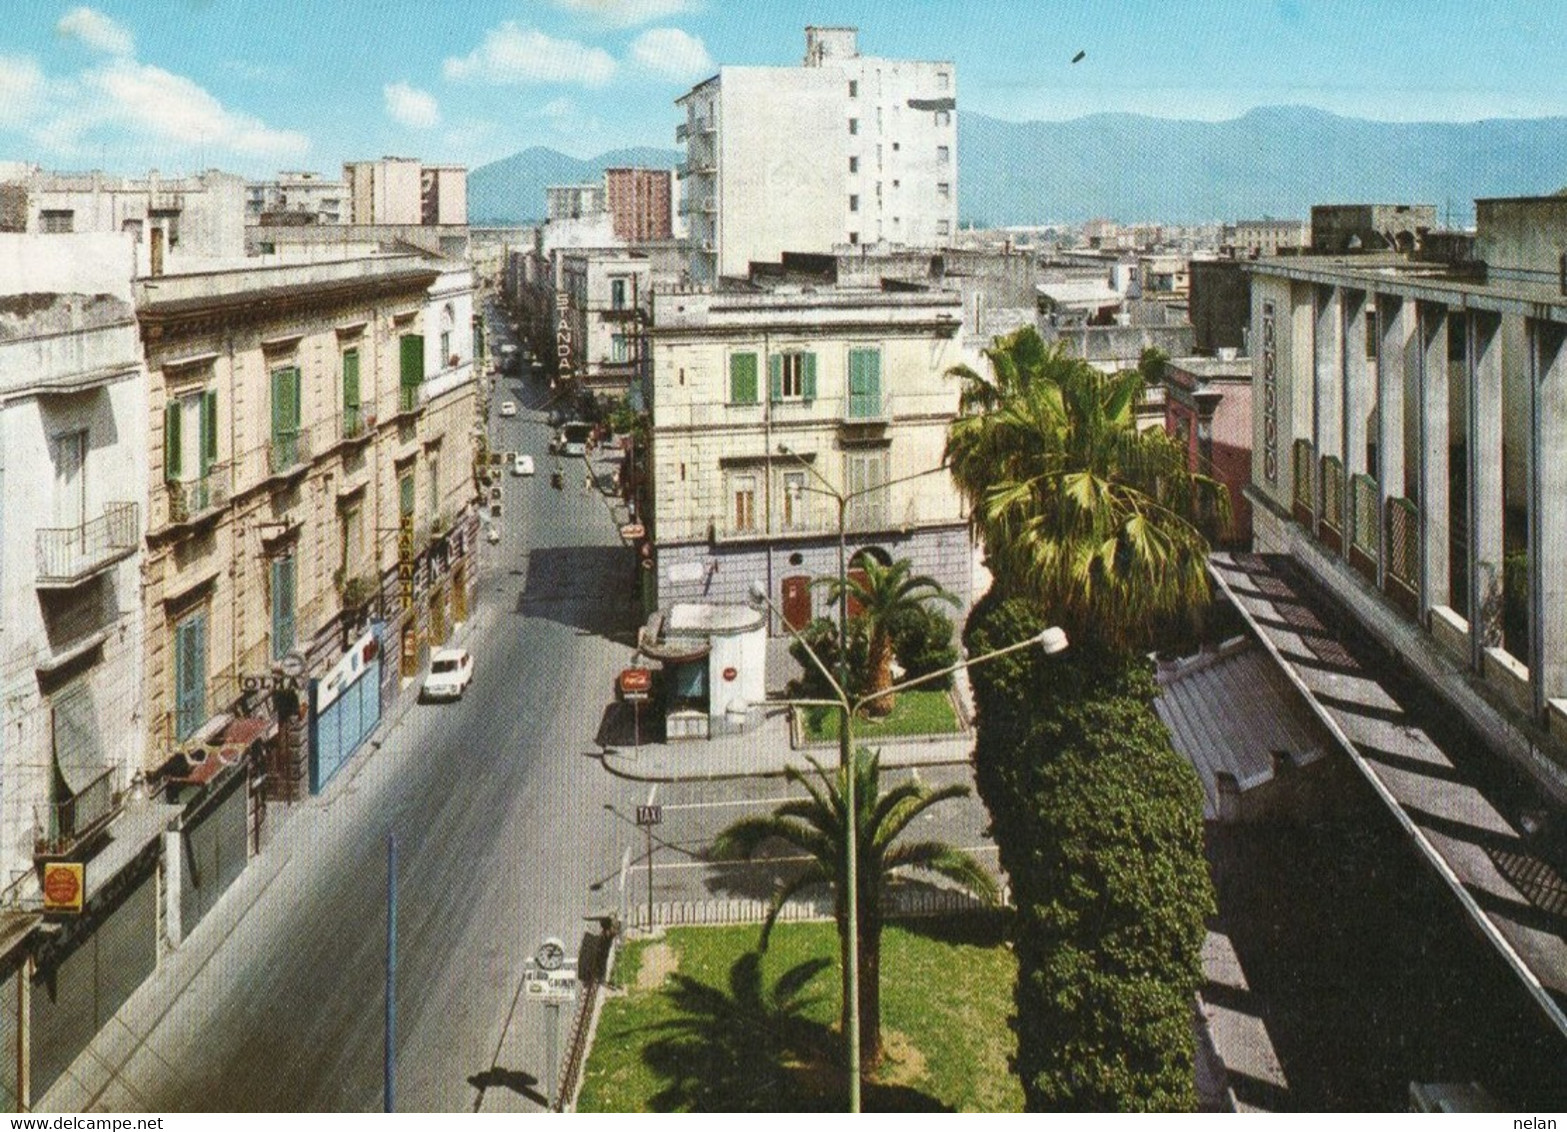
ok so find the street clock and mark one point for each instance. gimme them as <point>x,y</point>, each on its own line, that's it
<point>550,955</point>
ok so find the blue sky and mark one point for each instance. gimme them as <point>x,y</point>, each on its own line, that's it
<point>258,85</point>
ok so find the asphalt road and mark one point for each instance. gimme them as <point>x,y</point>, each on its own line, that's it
<point>498,803</point>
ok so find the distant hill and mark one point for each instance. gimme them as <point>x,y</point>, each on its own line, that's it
<point>1275,161</point>
<point>1272,161</point>
<point>511,190</point>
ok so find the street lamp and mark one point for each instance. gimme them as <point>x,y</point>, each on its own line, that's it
<point>1051,641</point>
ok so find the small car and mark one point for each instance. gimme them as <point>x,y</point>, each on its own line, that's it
<point>450,672</point>
<point>508,408</point>
<point>523,465</point>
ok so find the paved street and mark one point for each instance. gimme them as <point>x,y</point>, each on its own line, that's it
<point>498,803</point>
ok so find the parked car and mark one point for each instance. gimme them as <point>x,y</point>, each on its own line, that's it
<point>508,408</point>
<point>450,672</point>
<point>523,466</point>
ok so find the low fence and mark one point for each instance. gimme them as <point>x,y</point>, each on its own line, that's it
<point>912,901</point>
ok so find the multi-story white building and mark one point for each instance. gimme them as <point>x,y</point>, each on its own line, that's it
<point>844,149</point>
<point>601,306</point>
<point>763,401</point>
<point>388,191</point>
<point>443,194</point>
<point>173,221</point>
<point>298,193</point>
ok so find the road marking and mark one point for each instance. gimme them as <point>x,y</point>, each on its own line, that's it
<point>791,860</point>
<point>735,802</point>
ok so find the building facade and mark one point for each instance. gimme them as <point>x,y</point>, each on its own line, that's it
<point>1207,409</point>
<point>601,311</point>
<point>443,194</point>
<point>174,223</point>
<point>639,203</point>
<point>315,487</point>
<point>1407,435</point>
<point>844,149</point>
<point>304,196</point>
<point>388,191</point>
<point>762,403</point>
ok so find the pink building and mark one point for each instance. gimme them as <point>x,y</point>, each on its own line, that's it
<point>639,203</point>
<point>1208,409</point>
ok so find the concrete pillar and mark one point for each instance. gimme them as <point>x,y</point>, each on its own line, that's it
<point>1548,514</point>
<point>1328,386</point>
<point>1360,395</point>
<point>1484,364</point>
<point>173,885</point>
<point>1396,328</point>
<point>1435,537</point>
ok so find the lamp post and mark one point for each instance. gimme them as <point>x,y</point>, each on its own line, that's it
<point>1051,640</point>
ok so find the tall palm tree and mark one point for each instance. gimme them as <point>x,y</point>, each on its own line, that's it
<point>884,593</point>
<point>1075,505</point>
<point>816,825</point>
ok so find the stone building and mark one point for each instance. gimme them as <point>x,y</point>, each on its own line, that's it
<point>765,403</point>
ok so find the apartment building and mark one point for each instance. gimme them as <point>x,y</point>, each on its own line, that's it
<point>175,223</point>
<point>1253,238</point>
<point>443,194</point>
<point>297,196</point>
<point>601,309</point>
<point>314,525</point>
<point>388,191</point>
<point>763,402</point>
<point>844,149</point>
<point>639,203</point>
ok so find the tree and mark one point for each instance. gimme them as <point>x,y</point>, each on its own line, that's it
<point>817,826</point>
<point>884,594</point>
<point>1089,524</point>
<point>1076,506</point>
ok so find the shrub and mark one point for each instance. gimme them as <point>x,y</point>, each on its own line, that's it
<point>922,642</point>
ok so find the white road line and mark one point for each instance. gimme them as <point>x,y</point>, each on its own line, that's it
<point>793,860</point>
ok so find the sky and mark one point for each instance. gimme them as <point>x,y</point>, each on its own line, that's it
<point>254,86</point>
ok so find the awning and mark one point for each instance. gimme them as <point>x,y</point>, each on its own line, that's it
<point>78,746</point>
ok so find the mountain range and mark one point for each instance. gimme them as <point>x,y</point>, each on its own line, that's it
<point>1272,161</point>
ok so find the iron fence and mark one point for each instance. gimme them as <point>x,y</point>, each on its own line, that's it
<point>60,825</point>
<point>70,553</point>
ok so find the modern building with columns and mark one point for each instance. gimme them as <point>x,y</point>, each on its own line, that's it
<point>1410,451</point>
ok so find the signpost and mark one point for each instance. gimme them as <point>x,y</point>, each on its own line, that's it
<point>551,978</point>
<point>647,817</point>
<point>636,685</point>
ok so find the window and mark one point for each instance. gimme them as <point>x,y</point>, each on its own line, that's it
<point>792,377</point>
<point>865,384</point>
<point>943,80</point>
<point>70,479</point>
<point>742,489</point>
<point>1371,334</point>
<point>57,220</point>
<point>285,451</point>
<point>353,419</point>
<point>618,351</point>
<point>943,227</point>
<point>617,294</point>
<point>854,128</point>
<point>282,607</point>
<point>410,370</point>
<point>190,674</point>
<point>943,155</point>
<point>944,190</point>
<point>446,347</point>
<point>896,146</point>
<point>434,481</point>
<point>794,502</point>
<point>854,88</point>
<point>352,535</point>
<point>865,472</point>
<point>854,202</point>
<point>854,237</point>
<point>742,379</point>
<point>943,117</point>
<point>854,164</point>
<point>79,754</point>
<point>405,495</point>
<point>190,436</point>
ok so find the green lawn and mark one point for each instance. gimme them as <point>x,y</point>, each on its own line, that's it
<point>706,1025</point>
<point>921,712</point>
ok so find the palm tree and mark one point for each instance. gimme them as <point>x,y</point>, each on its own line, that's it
<point>1075,505</point>
<point>884,593</point>
<point>816,825</point>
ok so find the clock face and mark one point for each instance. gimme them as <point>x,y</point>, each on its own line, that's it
<point>550,955</point>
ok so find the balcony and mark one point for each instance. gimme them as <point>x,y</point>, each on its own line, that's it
<point>356,424</point>
<point>866,408</point>
<point>68,556</point>
<point>408,400</point>
<point>682,132</point>
<point>288,453</point>
<point>59,827</point>
<point>191,501</point>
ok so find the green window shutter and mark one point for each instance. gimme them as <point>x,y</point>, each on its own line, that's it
<point>296,399</point>
<point>864,383</point>
<point>209,429</point>
<point>351,379</point>
<point>742,379</point>
<point>412,359</point>
<point>873,378</point>
<point>171,441</point>
<point>282,390</point>
<point>775,376</point>
<point>405,495</point>
<point>809,383</point>
<point>282,607</point>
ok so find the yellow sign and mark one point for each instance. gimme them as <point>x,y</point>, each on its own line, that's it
<point>65,884</point>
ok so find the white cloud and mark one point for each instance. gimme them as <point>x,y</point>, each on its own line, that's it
<point>21,86</point>
<point>626,13</point>
<point>96,30</point>
<point>514,54</point>
<point>414,108</point>
<point>153,104</point>
<point>672,54</point>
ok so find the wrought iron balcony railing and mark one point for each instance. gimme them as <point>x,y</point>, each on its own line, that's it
<point>192,499</point>
<point>68,555</point>
<point>287,451</point>
<point>407,399</point>
<point>59,826</point>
